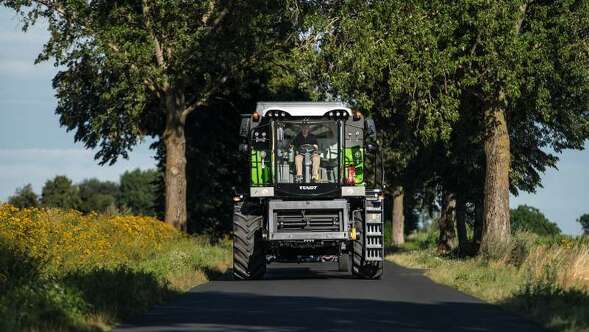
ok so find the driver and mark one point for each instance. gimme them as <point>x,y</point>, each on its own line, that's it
<point>306,138</point>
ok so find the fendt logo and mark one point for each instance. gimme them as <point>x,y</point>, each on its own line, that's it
<point>308,187</point>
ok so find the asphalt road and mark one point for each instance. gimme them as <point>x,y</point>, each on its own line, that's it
<point>315,297</point>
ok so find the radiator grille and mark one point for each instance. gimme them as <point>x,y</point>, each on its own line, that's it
<point>308,221</point>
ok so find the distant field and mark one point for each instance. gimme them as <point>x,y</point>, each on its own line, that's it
<point>543,279</point>
<point>61,270</point>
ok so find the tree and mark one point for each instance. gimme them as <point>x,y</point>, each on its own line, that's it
<point>584,221</point>
<point>137,68</point>
<point>529,219</point>
<point>138,191</point>
<point>60,193</point>
<point>24,197</point>
<point>398,221</point>
<point>388,59</point>
<point>96,195</point>
<point>524,63</point>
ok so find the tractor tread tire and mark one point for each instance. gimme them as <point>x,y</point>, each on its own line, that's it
<point>249,259</point>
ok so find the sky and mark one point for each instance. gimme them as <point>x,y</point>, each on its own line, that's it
<point>34,148</point>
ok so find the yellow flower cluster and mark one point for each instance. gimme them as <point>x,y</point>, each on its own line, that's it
<point>66,240</point>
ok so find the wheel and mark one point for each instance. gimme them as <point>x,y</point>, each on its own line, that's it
<point>360,267</point>
<point>343,263</point>
<point>249,259</point>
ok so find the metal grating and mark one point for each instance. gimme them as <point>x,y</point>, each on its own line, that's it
<point>373,232</point>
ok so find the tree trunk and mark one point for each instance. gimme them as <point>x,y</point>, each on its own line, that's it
<point>398,226</point>
<point>175,173</point>
<point>496,227</point>
<point>478,224</point>
<point>463,244</point>
<point>446,223</point>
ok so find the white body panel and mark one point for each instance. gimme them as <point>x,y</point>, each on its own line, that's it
<point>302,108</point>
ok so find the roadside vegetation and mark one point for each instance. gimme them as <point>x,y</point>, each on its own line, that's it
<point>62,270</point>
<point>544,278</point>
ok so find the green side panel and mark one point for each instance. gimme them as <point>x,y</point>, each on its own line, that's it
<point>260,169</point>
<point>355,156</point>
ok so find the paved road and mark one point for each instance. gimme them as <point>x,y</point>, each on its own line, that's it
<point>315,297</point>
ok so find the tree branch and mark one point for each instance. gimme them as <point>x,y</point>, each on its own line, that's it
<point>518,23</point>
<point>159,53</point>
<point>202,100</point>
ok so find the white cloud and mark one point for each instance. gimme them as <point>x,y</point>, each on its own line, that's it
<point>21,166</point>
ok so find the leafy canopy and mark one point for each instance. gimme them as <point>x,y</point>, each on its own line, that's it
<point>530,219</point>
<point>584,221</point>
<point>124,64</point>
<point>60,193</point>
<point>24,197</point>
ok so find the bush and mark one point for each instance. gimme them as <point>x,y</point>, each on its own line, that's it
<point>61,270</point>
<point>529,219</point>
<point>545,278</point>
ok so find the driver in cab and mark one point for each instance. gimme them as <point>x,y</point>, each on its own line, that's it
<point>305,141</point>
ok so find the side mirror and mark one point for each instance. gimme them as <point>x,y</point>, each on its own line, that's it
<point>371,148</point>
<point>243,147</point>
<point>370,128</point>
<point>245,125</point>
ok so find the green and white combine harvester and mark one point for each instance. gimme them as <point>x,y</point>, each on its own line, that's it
<point>311,193</point>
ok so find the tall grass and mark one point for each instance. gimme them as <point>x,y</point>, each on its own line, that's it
<point>545,279</point>
<point>61,270</point>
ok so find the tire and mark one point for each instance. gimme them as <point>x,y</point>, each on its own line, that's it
<point>361,268</point>
<point>343,263</point>
<point>249,258</point>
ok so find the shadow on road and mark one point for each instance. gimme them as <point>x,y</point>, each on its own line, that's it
<point>219,311</point>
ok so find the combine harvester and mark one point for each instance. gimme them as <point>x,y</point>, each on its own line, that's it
<point>309,193</point>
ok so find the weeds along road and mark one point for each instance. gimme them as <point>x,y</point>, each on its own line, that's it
<point>315,297</point>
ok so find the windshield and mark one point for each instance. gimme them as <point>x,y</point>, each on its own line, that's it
<point>307,151</point>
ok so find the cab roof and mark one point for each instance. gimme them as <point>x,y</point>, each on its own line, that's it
<point>301,108</point>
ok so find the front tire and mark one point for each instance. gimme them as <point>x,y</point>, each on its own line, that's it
<point>343,263</point>
<point>362,268</point>
<point>249,258</point>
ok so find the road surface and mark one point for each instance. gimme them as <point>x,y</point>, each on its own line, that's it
<point>315,297</point>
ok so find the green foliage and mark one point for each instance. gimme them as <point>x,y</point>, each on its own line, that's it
<point>539,277</point>
<point>138,191</point>
<point>38,296</point>
<point>96,195</point>
<point>584,221</point>
<point>529,219</point>
<point>24,197</point>
<point>60,193</point>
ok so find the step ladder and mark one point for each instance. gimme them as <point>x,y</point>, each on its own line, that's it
<point>373,229</point>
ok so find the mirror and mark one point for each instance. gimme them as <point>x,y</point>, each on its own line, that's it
<point>243,147</point>
<point>371,148</point>
<point>245,125</point>
<point>370,128</point>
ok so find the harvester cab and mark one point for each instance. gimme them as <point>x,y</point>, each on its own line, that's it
<point>314,191</point>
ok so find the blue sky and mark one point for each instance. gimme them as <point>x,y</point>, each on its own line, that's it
<point>34,148</point>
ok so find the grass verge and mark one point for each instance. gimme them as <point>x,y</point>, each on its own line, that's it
<point>63,271</point>
<point>543,279</point>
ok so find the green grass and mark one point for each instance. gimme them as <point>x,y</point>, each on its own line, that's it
<point>545,280</point>
<point>94,298</point>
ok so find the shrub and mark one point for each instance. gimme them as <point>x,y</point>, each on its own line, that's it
<point>61,270</point>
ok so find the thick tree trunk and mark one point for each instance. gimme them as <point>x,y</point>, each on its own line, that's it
<point>175,173</point>
<point>446,223</point>
<point>463,243</point>
<point>478,224</point>
<point>496,227</point>
<point>398,227</point>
